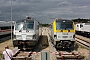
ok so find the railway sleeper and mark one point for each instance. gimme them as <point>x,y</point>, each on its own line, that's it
<point>70,56</point>
<point>22,55</point>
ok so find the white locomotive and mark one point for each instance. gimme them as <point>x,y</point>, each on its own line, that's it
<point>26,33</point>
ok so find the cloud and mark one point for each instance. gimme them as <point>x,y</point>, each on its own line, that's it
<point>44,10</point>
<point>64,3</point>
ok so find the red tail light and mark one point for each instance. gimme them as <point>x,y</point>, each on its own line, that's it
<point>28,42</point>
<point>20,42</point>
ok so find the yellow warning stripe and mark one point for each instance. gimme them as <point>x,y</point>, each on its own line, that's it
<point>65,31</point>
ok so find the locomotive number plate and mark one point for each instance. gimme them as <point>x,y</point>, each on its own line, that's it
<point>65,36</point>
<point>65,33</point>
<point>23,34</point>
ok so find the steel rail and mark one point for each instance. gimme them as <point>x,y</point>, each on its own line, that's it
<point>82,42</point>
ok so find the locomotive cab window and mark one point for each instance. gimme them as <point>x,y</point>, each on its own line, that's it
<point>77,25</point>
<point>60,25</point>
<point>19,26</point>
<point>29,25</point>
<point>81,25</point>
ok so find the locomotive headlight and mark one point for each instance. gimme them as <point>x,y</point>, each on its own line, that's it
<point>59,36</point>
<point>27,31</point>
<point>34,36</point>
<point>70,36</point>
<point>73,36</point>
<point>14,36</point>
<point>20,42</point>
<point>55,36</point>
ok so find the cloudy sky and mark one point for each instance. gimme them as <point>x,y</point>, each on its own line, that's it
<point>44,11</point>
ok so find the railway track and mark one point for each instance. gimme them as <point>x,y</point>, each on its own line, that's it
<point>83,41</point>
<point>25,55</point>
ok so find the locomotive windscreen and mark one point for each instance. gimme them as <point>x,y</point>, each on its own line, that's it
<point>29,26</point>
<point>64,25</point>
<point>19,26</point>
<point>25,26</point>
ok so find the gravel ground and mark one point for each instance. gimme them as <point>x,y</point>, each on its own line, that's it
<point>83,51</point>
<point>6,43</point>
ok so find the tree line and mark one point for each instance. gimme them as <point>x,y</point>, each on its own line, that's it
<point>79,20</point>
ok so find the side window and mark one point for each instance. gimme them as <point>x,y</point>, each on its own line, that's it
<point>81,25</point>
<point>77,25</point>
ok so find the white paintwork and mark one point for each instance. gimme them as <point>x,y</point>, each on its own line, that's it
<point>84,27</point>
